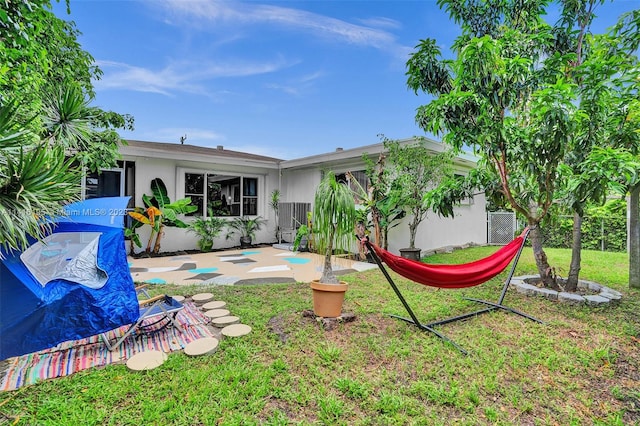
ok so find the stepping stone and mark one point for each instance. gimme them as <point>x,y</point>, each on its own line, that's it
<point>216,304</point>
<point>147,360</point>
<point>217,313</point>
<point>201,298</point>
<point>204,346</point>
<point>236,330</point>
<point>178,298</point>
<point>225,321</point>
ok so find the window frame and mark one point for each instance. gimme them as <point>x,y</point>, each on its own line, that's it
<point>181,180</point>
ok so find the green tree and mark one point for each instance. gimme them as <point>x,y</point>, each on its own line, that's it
<point>36,179</point>
<point>605,72</point>
<point>159,211</point>
<point>415,170</point>
<point>49,132</point>
<point>334,221</point>
<point>626,133</point>
<point>380,204</point>
<point>512,92</point>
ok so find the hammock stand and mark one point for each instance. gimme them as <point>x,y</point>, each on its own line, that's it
<point>491,306</point>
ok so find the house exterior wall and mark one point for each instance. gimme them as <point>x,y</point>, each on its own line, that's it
<point>299,185</point>
<point>171,173</point>
<point>468,225</point>
<point>296,180</point>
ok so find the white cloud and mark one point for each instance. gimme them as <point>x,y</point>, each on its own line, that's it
<point>238,13</point>
<point>299,86</point>
<point>186,76</point>
<point>381,22</point>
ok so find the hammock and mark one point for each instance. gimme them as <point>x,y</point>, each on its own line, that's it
<point>453,276</point>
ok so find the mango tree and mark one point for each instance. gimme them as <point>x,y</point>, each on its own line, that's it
<point>513,94</point>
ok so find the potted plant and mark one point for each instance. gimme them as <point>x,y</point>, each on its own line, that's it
<point>246,227</point>
<point>334,218</point>
<point>207,229</point>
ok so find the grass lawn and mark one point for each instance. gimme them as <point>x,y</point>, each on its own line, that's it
<point>582,367</point>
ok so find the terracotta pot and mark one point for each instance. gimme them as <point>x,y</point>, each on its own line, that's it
<point>328,298</point>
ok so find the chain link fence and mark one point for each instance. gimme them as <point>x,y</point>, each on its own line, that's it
<point>501,227</point>
<point>598,233</point>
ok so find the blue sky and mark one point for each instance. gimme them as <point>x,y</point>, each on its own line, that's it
<point>287,79</point>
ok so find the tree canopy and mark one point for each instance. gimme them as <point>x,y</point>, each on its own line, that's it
<point>49,132</point>
<point>532,98</point>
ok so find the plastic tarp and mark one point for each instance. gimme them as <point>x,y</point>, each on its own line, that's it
<point>79,285</point>
<point>71,256</point>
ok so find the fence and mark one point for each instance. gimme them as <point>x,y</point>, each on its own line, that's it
<point>598,233</point>
<point>290,217</point>
<point>501,227</point>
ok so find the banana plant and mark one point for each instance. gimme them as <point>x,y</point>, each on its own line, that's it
<point>159,212</point>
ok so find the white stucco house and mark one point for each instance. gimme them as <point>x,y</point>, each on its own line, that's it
<point>241,184</point>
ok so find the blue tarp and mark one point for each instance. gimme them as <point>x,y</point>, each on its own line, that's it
<point>36,315</point>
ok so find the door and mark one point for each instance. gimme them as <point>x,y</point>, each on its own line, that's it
<point>107,183</point>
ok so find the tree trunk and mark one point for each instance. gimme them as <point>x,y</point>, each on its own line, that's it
<point>385,238</point>
<point>413,226</point>
<point>576,252</point>
<point>634,237</point>
<point>544,270</point>
<point>148,249</point>
<point>375,218</point>
<point>156,247</point>
<point>328,277</point>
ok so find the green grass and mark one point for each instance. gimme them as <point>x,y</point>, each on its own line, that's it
<point>582,367</point>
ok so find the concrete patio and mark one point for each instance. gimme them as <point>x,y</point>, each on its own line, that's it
<point>238,267</point>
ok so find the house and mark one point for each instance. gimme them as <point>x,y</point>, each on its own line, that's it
<point>233,183</point>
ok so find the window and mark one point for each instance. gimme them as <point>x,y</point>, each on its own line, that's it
<point>250,196</point>
<point>362,181</point>
<point>194,189</point>
<point>221,195</point>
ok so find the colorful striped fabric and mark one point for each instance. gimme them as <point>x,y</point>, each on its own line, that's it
<point>73,356</point>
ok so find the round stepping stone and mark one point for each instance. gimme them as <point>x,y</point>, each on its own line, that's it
<point>178,298</point>
<point>215,313</point>
<point>204,346</point>
<point>201,298</point>
<point>236,330</point>
<point>147,360</point>
<point>225,321</point>
<point>216,304</point>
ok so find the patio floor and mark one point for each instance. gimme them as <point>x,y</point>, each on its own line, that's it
<point>238,267</point>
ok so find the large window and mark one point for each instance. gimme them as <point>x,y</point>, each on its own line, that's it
<point>221,195</point>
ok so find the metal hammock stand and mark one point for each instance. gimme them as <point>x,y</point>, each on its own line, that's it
<point>490,306</point>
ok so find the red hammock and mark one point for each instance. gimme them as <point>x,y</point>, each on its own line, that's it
<point>452,276</point>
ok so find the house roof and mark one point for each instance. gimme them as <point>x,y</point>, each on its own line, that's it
<point>194,153</point>
<point>342,156</point>
<point>219,154</point>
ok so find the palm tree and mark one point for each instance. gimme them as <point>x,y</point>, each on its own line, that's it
<point>39,173</point>
<point>334,220</point>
